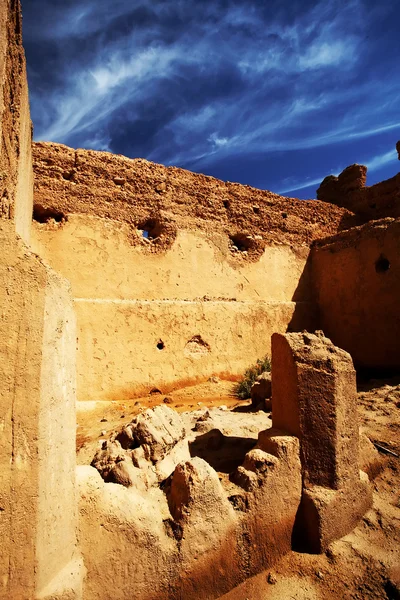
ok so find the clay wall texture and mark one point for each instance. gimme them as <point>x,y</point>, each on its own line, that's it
<point>356,278</point>
<point>38,512</point>
<point>350,191</point>
<point>16,176</point>
<point>212,310</point>
<point>37,397</point>
<point>224,267</point>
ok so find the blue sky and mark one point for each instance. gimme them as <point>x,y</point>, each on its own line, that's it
<point>276,93</point>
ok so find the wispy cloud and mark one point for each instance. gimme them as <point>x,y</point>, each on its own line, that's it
<point>193,83</point>
<point>373,164</point>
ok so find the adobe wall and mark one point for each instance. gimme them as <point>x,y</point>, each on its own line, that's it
<point>350,191</point>
<point>38,512</point>
<point>37,401</point>
<point>356,277</point>
<point>224,267</point>
<point>16,178</point>
<point>212,311</point>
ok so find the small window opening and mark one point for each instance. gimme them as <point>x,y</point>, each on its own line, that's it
<point>151,229</point>
<point>382,265</point>
<point>43,215</point>
<point>242,242</point>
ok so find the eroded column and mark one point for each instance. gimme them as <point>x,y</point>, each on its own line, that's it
<point>315,398</point>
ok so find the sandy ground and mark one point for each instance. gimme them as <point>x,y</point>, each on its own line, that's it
<point>363,565</point>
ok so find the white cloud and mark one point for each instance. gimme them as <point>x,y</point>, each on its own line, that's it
<point>301,185</point>
<point>294,85</point>
<point>381,160</point>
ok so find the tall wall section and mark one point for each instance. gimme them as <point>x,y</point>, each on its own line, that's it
<point>38,513</point>
<point>356,277</point>
<point>16,180</point>
<point>176,276</point>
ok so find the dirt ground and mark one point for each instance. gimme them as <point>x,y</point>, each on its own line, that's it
<point>363,565</point>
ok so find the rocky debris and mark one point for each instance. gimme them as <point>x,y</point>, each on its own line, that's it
<point>126,474</point>
<point>196,488</point>
<point>107,457</point>
<point>156,441</point>
<point>228,422</point>
<point>156,430</point>
<point>261,391</point>
<point>145,451</point>
<point>256,466</point>
<point>159,199</point>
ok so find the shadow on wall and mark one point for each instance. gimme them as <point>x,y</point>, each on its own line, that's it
<point>306,314</point>
<point>352,283</point>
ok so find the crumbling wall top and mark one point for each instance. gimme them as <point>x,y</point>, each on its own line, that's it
<point>136,191</point>
<point>349,190</point>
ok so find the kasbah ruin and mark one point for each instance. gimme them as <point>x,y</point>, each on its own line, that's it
<point>133,297</point>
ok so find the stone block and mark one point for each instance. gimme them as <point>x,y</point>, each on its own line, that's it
<point>326,515</point>
<point>315,399</point>
<point>157,430</point>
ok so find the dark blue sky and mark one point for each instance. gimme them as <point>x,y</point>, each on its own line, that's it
<point>276,93</point>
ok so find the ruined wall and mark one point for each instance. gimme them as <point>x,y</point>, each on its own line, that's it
<point>149,319</point>
<point>195,537</point>
<point>37,398</point>
<point>38,513</point>
<point>223,266</point>
<point>368,202</point>
<point>184,515</point>
<point>356,278</point>
<point>16,179</point>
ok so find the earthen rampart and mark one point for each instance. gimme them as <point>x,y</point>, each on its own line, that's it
<point>139,192</point>
<point>173,272</point>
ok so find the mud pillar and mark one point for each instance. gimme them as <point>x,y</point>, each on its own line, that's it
<point>16,174</point>
<point>38,508</point>
<point>315,399</point>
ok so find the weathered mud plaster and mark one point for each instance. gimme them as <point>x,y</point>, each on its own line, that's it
<point>314,397</point>
<point>150,319</point>
<point>349,191</point>
<point>37,449</point>
<point>38,512</point>
<point>16,175</point>
<point>356,277</point>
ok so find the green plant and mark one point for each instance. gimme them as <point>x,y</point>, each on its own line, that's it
<point>243,388</point>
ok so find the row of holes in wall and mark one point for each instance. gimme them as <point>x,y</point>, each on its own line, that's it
<point>152,229</point>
